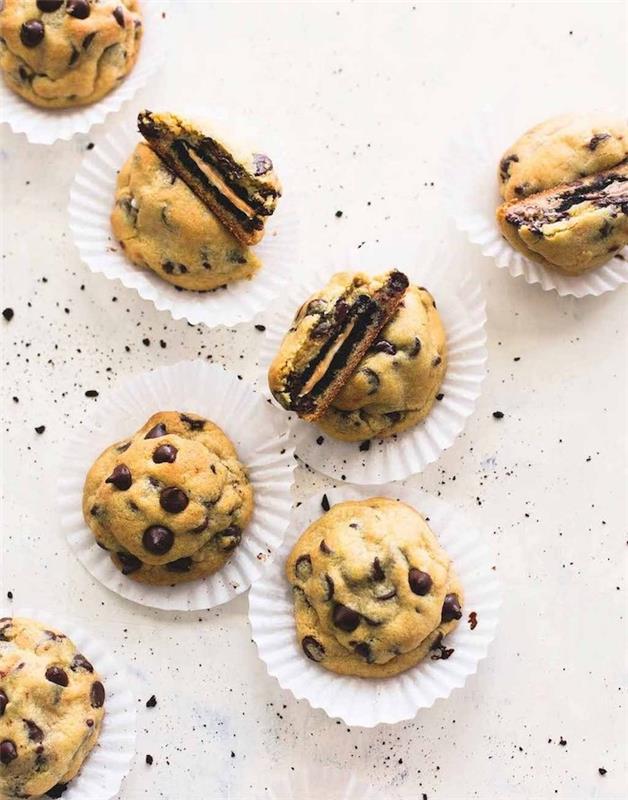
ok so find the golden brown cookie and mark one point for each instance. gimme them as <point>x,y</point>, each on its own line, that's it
<point>51,709</point>
<point>373,589</point>
<point>163,226</point>
<point>171,502</point>
<point>63,53</point>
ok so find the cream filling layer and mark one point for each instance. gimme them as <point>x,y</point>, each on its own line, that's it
<point>214,176</point>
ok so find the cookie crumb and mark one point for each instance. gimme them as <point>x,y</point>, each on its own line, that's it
<point>320,440</point>
<point>91,393</point>
<point>498,414</point>
<point>40,429</point>
<point>338,214</point>
<point>260,328</point>
<point>90,146</point>
<point>149,759</point>
<point>325,503</point>
<point>10,595</point>
<point>365,446</point>
<point>473,620</point>
<point>601,770</point>
<point>8,314</point>
<point>562,742</point>
<point>151,702</point>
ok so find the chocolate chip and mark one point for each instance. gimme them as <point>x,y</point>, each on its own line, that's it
<point>606,229</point>
<point>230,538</point>
<point>158,539</point>
<point>57,675</point>
<point>345,618</point>
<point>8,314</point>
<point>504,165</point>
<point>122,448</point>
<point>436,361</point>
<point>394,416</point>
<point>130,563</point>
<point>303,567</point>
<point>416,348</point>
<point>4,701</point>
<point>329,586</point>
<point>80,662</point>
<point>57,791</point>
<point>151,702</point>
<point>363,649</point>
<point>121,477</point>
<point>440,396</point>
<point>86,43</point>
<point>341,311</point>
<point>384,346</point>
<point>157,431</point>
<point>324,548</point>
<point>48,6</point>
<point>118,15</point>
<point>451,608</point>
<point>377,573</point>
<point>372,379</point>
<point>202,527</point>
<point>261,164</point>
<point>193,424</point>
<point>325,503</point>
<point>313,649</point>
<point>32,33</point>
<point>420,582</point>
<point>165,454</point>
<point>97,695</point>
<point>79,9</point>
<point>180,565</point>
<point>398,281</point>
<point>595,140</point>
<point>73,60</point>
<point>173,500</point>
<point>8,751</point>
<point>387,595</point>
<point>35,733</point>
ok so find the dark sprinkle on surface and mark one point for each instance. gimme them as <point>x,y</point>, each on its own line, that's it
<point>151,702</point>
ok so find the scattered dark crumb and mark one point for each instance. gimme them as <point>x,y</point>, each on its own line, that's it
<point>442,653</point>
<point>260,328</point>
<point>16,399</point>
<point>562,742</point>
<point>338,214</point>
<point>498,414</point>
<point>10,595</point>
<point>365,445</point>
<point>8,314</point>
<point>90,146</point>
<point>151,702</point>
<point>601,770</point>
<point>440,396</point>
<point>162,344</point>
<point>146,342</point>
<point>57,790</point>
<point>320,440</point>
<point>325,503</point>
<point>149,759</point>
<point>517,358</point>
<point>40,429</point>
<point>232,754</point>
<point>473,620</point>
<point>91,393</point>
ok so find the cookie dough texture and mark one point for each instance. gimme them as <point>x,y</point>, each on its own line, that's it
<point>171,502</point>
<point>163,226</point>
<point>64,53</point>
<point>51,709</point>
<point>373,589</point>
<point>562,150</point>
<point>396,383</point>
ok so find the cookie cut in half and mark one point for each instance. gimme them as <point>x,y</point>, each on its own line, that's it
<point>51,709</point>
<point>374,592</point>
<point>241,188</point>
<point>331,333</point>
<point>572,227</point>
<point>170,503</point>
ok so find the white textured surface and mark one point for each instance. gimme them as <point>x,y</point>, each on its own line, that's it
<point>365,98</point>
<point>260,441</point>
<point>358,701</point>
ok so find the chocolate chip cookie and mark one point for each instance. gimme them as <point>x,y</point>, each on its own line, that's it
<point>566,192</point>
<point>163,226</point>
<point>51,709</point>
<point>397,381</point>
<point>171,502</point>
<point>330,334</point>
<point>239,186</point>
<point>63,53</point>
<point>373,590</point>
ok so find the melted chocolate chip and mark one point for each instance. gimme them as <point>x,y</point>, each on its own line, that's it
<point>261,164</point>
<point>595,140</point>
<point>420,582</point>
<point>377,572</point>
<point>384,346</point>
<point>398,281</point>
<point>97,695</point>
<point>180,565</point>
<point>363,649</point>
<point>80,9</point>
<point>4,701</point>
<point>158,539</point>
<point>35,733</point>
<point>229,539</point>
<point>504,165</point>
<point>130,563</point>
<point>157,431</point>
<point>73,60</point>
<point>118,15</point>
<point>32,33</point>
<point>79,662</point>
<point>57,675</point>
<point>451,608</point>
<point>193,424</point>
<point>202,527</point>
<point>173,500</point>
<point>345,618</point>
<point>57,791</point>
<point>303,567</point>
<point>48,6</point>
<point>372,379</point>
<point>121,477</point>
<point>436,361</point>
<point>8,751</point>
<point>416,348</point>
<point>313,649</point>
<point>165,454</point>
<point>88,40</point>
<point>324,547</point>
<point>329,587</point>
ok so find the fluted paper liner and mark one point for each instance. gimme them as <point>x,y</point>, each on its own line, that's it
<point>261,443</point>
<point>473,197</point>
<point>108,763</point>
<point>91,202</point>
<point>461,305</point>
<point>46,126</point>
<point>363,701</point>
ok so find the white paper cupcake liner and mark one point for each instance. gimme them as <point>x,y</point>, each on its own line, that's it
<point>46,126</point>
<point>462,309</point>
<point>261,443</point>
<point>318,782</point>
<point>108,763</point>
<point>473,197</point>
<point>364,701</point>
<point>91,203</point>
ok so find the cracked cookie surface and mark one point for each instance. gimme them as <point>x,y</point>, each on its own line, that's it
<point>51,709</point>
<point>171,502</point>
<point>373,589</point>
<point>397,381</point>
<point>163,226</point>
<point>65,53</point>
